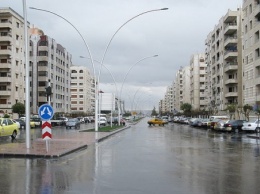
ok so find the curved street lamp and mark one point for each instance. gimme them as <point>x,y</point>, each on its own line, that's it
<point>103,58</point>
<point>120,94</point>
<point>88,50</point>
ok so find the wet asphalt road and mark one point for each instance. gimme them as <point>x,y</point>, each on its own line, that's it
<point>144,160</point>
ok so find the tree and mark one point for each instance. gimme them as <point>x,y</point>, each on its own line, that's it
<point>186,107</point>
<point>246,111</point>
<point>18,108</point>
<point>154,113</point>
<point>231,108</point>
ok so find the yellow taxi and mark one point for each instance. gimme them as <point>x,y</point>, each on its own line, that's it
<point>8,128</point>
<point>155,121</point>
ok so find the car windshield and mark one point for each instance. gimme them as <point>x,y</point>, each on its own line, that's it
<point>72,120</point>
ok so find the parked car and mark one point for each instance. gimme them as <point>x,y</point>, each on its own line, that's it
<point>203,123</point>
<point>234,125</point>
<point>219,126</point>
<point>37,121</point>
<point>22,123</point>
<point>102,121</point>
<point>194,122</point>
<point>63,120</point>
<point>165,119</point>
<point>74,122</point>
<point>252,126</point>
<point>8,128</point>
<point>212,123</point>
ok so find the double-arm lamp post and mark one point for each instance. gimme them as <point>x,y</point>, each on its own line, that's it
<point>97,77</point>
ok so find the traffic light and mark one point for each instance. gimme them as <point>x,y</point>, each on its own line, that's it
<point>48,91</point>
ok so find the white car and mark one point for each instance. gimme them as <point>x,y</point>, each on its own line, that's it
<point>102,121</point>
<point>252,126</point>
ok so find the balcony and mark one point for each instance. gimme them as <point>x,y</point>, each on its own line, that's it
<point>232,66</point>
<point>7,38</point>
<point>42,99</point>
<point>5,65</point>
<point>230,40</point>
<point>231,94</point>
<point>43,58</point>
<point>257,10</point>
<point>7,52</point>
<point>231,81</point>
<point>230,54</point>
<point>5,106</point>
<point>202,79</point>
<point>5,92</point>
<point>7,24</point>
<point>257,80</point>
<point>43,48</point>
<point>230,28</point>
<point>5,79</point>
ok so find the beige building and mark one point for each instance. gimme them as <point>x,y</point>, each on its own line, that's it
<point>251,52</point>
<point>198,97</point>
<point>12,61</point>
<point>49,65</point>
<point>181,88</point>
<point>82,90</point>
<point>224,68</point>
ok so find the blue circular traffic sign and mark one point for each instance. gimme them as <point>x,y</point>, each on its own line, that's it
<point>45,112</point>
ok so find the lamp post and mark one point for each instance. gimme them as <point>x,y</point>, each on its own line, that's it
<point>120,95</point>
<point>27,82</point>
<point>88,50</point>
<point>103,58</point>
<point>109,73</point>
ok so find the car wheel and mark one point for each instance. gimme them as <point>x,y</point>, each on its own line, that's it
<point>79,127</point>
<point>235,130</point>
<point>257,130</point>
<point>14,135</point>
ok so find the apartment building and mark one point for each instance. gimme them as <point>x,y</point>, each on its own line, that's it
<point>168,100</point>
<point>12,61</point>
<point>50,65</point>
<point>251,52</point>
<point>198,82</point>
<point>82,90</point>
<point>224,66</point>
<point>181,88</point>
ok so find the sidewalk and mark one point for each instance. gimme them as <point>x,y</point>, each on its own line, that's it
<point>57,147</point>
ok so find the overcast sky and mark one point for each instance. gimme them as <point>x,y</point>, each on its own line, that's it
<point>174,35</point>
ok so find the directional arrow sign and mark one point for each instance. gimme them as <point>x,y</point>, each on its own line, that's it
<point>45,112</point>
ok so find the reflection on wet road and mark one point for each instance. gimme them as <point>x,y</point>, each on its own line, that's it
<point>142,159</point>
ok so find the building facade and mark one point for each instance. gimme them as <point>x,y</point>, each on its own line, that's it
<point>82,90</point>
<point>224,66</point>
<point>50,65</point>
<point>251,52</point>
<point>12,60</point>
<point>198,67</point>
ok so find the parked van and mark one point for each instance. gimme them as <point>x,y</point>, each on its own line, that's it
<point>211,118</point>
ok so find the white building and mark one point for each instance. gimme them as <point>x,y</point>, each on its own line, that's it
<point>224,75</point>
<point>49,64</point>
<point>198,82</point>
<point>12,60</point>
<point>251,52</point>
<point>82,90</point>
